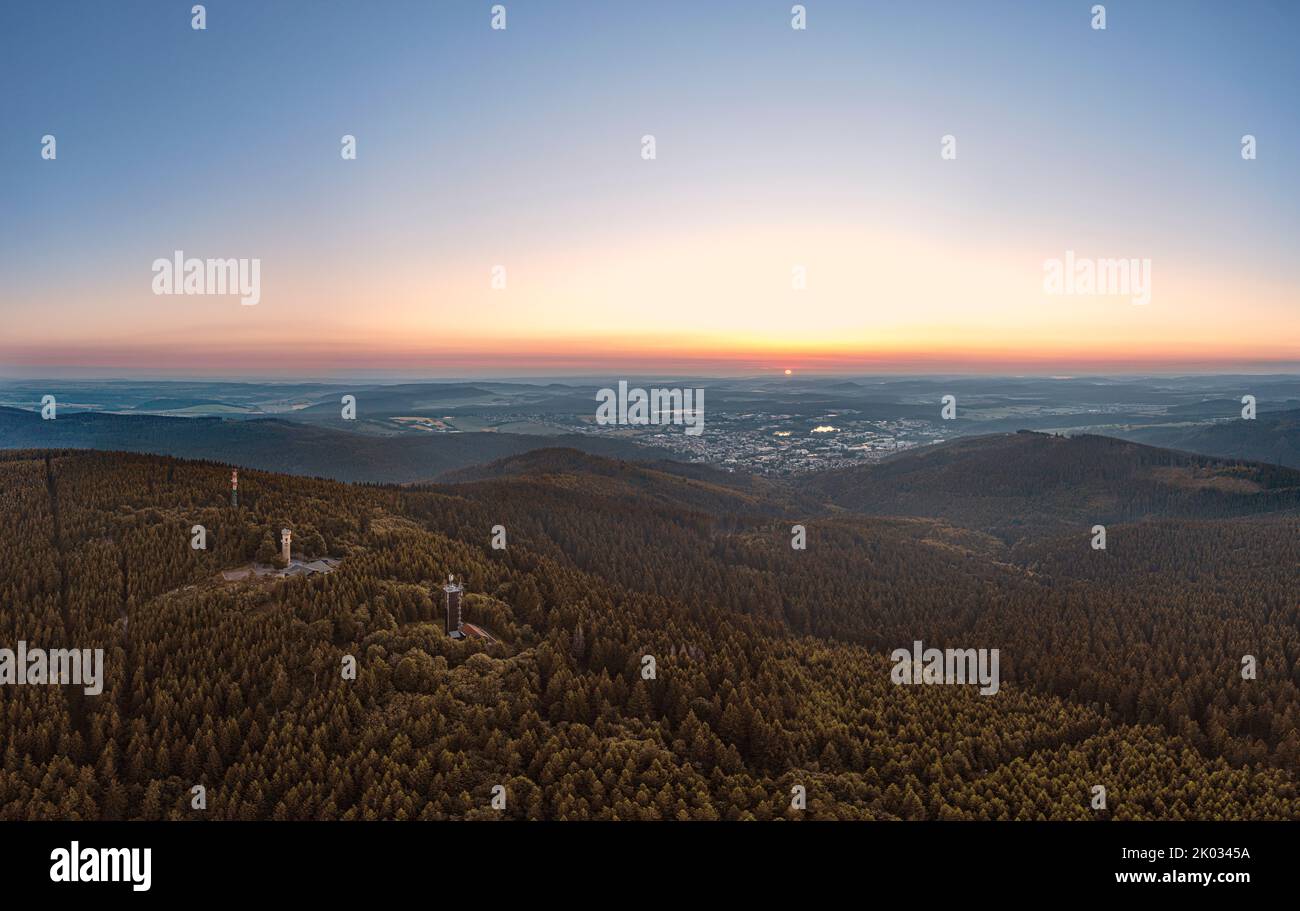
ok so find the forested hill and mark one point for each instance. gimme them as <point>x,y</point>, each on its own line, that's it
<point>771,664</point>
<point>292,447</point>
<point>1271,437</point>
<point>1018,483</point>
<point>692,487</point>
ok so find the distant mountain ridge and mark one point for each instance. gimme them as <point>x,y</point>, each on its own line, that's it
<point>1008,484</point>
<point>291,447</point>
<point>1273,436</point>
<point>1004,484</point>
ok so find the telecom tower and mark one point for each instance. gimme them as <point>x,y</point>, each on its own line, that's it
<point>451,598</point>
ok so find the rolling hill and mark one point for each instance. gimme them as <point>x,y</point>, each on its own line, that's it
<point>1014,484</point>
<point>1274,436</point>
<point>290,446</point>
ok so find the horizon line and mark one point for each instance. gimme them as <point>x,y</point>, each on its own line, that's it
<point>84,374</point>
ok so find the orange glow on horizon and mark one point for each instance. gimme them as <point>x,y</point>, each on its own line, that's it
<point>714,296</point>
<point>482,356</point>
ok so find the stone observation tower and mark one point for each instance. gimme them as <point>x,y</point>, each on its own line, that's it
<point>451,593</point>
<point>285,537</point>
<point>234,487</point>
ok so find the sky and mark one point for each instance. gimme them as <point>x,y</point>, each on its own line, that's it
<point>776,150</point>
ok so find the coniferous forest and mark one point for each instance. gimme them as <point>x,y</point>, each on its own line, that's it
<point>658,648</point>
